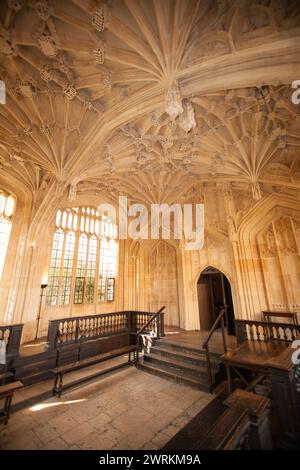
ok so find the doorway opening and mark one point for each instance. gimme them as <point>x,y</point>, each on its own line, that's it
<point>214,293</point>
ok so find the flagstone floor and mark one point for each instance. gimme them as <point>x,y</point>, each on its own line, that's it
<point>128,410</point>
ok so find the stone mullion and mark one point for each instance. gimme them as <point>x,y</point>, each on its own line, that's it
<point>74,270</point>
<point>86,266</point>
<point>61,268</point>
<point>97,271</point>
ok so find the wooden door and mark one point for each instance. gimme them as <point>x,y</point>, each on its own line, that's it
<point>205,303</point>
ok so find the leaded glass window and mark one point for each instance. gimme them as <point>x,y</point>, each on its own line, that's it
<point>84,258</point>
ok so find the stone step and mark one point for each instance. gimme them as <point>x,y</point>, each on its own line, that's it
<point>190,358</point>
<point>33,372</point>
<point>183,348</point>
<point>176,376</point>
<point>178,365</point>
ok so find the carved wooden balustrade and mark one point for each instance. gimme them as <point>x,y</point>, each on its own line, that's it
<point>139,319</point>
<point>265,331</point>
<point>71,330</point>
<point>11,335</point>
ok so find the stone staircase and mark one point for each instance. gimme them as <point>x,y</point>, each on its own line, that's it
<point>181,363</point>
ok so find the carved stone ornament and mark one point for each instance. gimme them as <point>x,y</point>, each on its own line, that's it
<point>187,119</point>
<point>7,46</point>
<point>256,191</point>
<point>100,18</point>
<point>43,10</point>
<point>72,193</point>
<point>26,89</point>
<point>46,73</point>
<point>16,5</point>
<point>99,53</point>
<point>69,91</point>
<point>173,105</point>
<point>47,45</point>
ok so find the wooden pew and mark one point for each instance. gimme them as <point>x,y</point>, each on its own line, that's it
<point>6,393</point>
<point>241,422</point>
<point>74,366</point>
<point>258,407</point>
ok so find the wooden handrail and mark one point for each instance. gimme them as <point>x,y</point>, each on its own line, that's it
<point>213,328</point>
<point>140,331</point>
<point>205,344</point>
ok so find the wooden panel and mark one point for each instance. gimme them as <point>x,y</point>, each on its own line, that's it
<point>286,404</point>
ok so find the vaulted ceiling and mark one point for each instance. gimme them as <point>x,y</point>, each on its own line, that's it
<point>86,87</point>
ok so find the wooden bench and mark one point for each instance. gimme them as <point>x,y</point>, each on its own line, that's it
<point>6,375</point>
<point>6,393</point>
<point>65,369</point>
<point>267,316</point>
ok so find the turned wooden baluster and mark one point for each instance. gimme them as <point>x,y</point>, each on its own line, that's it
<point>143,329</point>
<point>65,331</point>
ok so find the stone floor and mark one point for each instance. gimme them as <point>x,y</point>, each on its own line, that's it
<point>128,410</point>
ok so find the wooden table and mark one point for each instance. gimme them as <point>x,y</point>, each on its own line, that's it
<point>252,356</point>
<point>267,316</point>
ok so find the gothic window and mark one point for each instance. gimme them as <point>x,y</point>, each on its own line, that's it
<point>84,258</point>
<point>7,207</point>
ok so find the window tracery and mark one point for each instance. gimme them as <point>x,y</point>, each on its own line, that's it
<point>84,258</point>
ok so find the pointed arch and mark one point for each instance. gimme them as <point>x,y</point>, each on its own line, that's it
<point>264,275</point>
<point>214,293</point>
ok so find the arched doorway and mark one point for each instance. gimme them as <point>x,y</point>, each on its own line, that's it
<point>214,292</point>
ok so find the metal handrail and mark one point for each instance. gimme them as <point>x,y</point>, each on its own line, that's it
<point>205,344</point>
<point>140,331</point>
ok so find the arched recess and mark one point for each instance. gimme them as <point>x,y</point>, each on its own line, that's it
<point>214,293</point>
<point>163,282</point>
<point>269,256</point>
<point>12,279</point>
<point>36,260</point>
<point>156,278</point>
